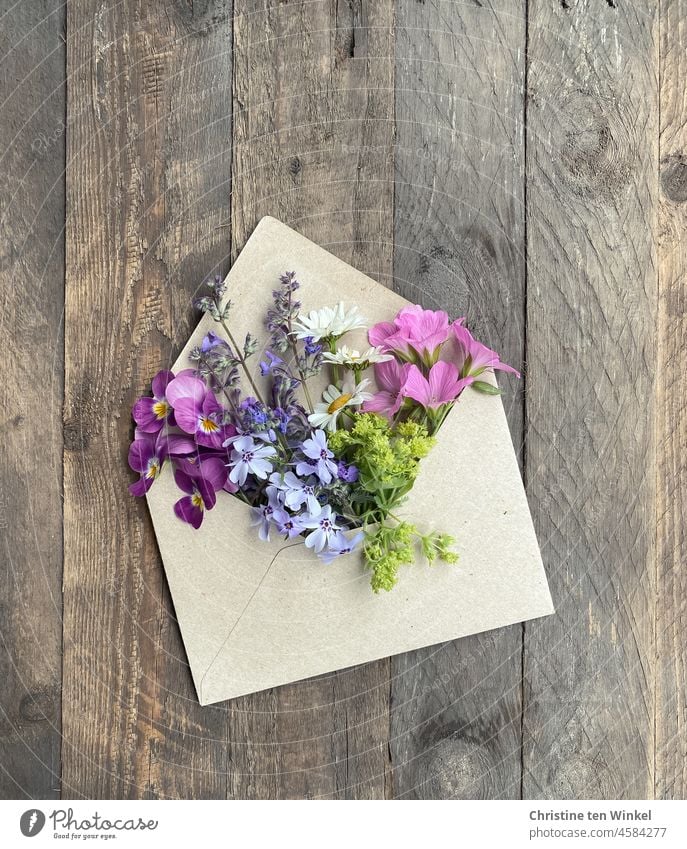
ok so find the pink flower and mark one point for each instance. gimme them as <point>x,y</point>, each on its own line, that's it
<point>443,386</point>
<point>390,377</point>
<point>385,336</point>
<point>197,411</point>
<point>415,332</point>
<point>424,330</point>
<point>473,357</point>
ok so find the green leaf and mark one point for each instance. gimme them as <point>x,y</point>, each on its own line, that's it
<point>250,346</point>
<point>486,388</point>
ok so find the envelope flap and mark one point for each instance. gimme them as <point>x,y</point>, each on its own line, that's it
<point>272,249</point>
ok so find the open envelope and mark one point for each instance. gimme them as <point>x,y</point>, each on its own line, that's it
<point>255,615</point>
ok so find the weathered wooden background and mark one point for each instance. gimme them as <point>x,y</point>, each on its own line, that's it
<point>521,160</point>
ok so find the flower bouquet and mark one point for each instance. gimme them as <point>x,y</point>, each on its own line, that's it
<point>332,471</point>
<point>317,434</point>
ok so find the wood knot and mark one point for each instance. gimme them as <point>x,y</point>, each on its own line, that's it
<point>38,705</point>
<point>295,167</point>
<point>594,144</point>
<point>454,768</point>
<point>674,177</point>
<point>347,18</point>
<point>75,437</point>
<point>470,265</point>
<point>200,17</point>
<point>577,770</point>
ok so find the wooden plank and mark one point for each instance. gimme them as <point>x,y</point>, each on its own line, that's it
<point>313,134</point>
<point>148,192</point>
<point>459,246</point>
<point>671,411</point>
<point>591,310</point>
<point>32,280</point>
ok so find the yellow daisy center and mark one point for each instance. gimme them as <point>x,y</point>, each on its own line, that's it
<point>161,408</point>
<point>338,403</point>
<point>208,425</point>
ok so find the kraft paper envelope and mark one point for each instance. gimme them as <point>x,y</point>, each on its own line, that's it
<point>255,615</point>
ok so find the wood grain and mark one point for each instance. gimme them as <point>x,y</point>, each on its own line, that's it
<point>671,412</point>
<point>148,192</point>
<point>503,160</point>
<point>32,279</point>
<point>591,311</point>
<point>313,133</point>
<point>459,245</point>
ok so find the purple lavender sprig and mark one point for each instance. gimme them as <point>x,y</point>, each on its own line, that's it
<point>280,320</point>
<point>218,366</point>
<point>212,303</point>
<point>310,361</point>
<point>285,310</point>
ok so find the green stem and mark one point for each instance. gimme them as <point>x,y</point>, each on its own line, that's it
<point>336,371</point>
<point>396,419</point>
<point>242,497</point>
<point>303,378</point>
<point>280,437</point>
<point>440,419</point>
<point>413,530</point>
<point>224,390</point>
<point>258,492</point>
<point>292,342</point>
<point>242,360</point>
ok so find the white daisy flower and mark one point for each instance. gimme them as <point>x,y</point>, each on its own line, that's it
<point>336,400</point>
<point>328,322</point>
<point>344,356</point>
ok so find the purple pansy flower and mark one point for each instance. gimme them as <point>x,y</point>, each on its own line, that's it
<point>249,458</point>
<point>197,411</point>
<point>347,472</point>
<point>316,449</point>
<point>150,414</point>
<point>147,453</point>
<point>201,481</point>
<point>339,544</point>
<point>297,492</point>
<point>180,445</point>
<point>324,526</point>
